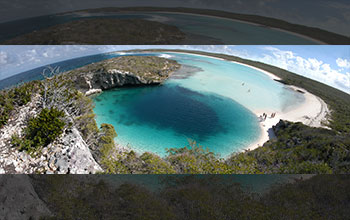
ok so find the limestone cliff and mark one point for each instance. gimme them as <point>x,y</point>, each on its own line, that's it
<point>19,200</point>
<point>68,154</point>
<point>122,71</point>
<point>76,148</point>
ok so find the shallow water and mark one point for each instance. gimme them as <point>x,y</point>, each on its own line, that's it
<point>209,105</point>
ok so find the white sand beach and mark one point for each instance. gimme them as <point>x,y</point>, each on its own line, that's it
<point>252,23</point>
<point>313,112</point>
<point>198,55</point>
<point>273,77</point>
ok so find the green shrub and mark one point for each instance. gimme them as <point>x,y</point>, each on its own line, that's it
<point>155,165</point>
<point>16,141</point>
<point>14,97</point>
<point>107,147</point>
<point>194,159</point>
<point>43,129</point>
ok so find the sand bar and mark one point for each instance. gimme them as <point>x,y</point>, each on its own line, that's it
<point>312,112</point>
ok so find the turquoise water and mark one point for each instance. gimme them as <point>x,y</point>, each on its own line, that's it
<point>209,105</point>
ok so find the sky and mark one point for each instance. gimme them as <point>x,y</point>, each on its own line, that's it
<point>331,15</point>
<point>329,64</point>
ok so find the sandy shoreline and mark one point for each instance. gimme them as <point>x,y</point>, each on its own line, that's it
<point>197,55</point>
<point>312,112</point>
<point>252,23</point>
<point>272,76</point>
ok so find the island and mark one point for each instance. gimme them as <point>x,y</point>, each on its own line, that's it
<point>49,126</point>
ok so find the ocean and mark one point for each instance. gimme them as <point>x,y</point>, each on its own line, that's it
<point>210,101</point>
<point>205,102</point>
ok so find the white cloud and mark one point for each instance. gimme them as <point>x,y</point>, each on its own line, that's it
<point>16,59</point>
<point>3,57</point>
<point>309,67</point>
<point>343,63</point>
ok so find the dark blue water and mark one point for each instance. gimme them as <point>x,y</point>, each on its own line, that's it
<point>209,105</point>
<point>167,116</point>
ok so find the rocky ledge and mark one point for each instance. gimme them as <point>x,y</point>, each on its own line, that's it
<point>70,152</point>
<point>122,71</point>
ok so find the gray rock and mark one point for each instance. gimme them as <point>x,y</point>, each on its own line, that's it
<point>77,158</point>
<point>111,73</point>
<point>19,199</point>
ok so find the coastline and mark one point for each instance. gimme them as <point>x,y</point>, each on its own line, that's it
<point>255,24</point>
<point>195,55</point>
<point>312,112</point>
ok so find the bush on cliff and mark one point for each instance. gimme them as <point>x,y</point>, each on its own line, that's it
<point>299,149</point>
<point>14,97</point>
<point>107,147</point>
<point>195,159</point>
<point>42,130</point>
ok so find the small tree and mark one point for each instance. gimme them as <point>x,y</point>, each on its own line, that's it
<point>43,129</point>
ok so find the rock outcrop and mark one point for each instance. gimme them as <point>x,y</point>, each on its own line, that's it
<point>122,71</point>
<point>68,154</point>
<point>19,200</point>
<point>74,155</point>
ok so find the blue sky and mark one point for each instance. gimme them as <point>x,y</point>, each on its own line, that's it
<point>324,63</point>
<point>332,15</point>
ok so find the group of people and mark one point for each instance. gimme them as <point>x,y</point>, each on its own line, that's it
<point>264,116</point>
<point>243,85</point>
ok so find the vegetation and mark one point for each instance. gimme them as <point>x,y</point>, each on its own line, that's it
<point>146,67</point>
<point>301,149</point>
<point>107,147</point>
<point>195,159</point>
<point>11,99</point>
<point>45,128</point>
<point>41,130</point>
<point>296,149</point>
<point>192,197</point>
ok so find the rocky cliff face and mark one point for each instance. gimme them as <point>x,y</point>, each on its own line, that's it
<point>121,71</point>
<point>68,154</point>
<point>19,200</point>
